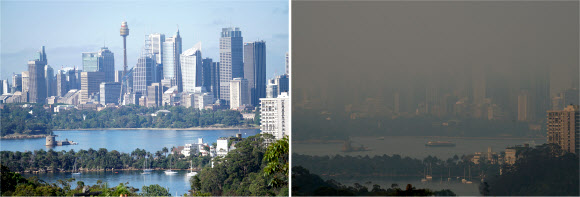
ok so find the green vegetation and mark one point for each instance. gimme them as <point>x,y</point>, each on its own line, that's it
<point>18,120</point>
<point>155,190</point>
<point>358,166</point>
<point>306,184</point>
<point>41,160</point>
<point>241,172</point>
<point>540,171</point>
<point>14,184</point>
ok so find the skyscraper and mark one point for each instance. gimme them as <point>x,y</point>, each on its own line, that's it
<point>16,82</point>
<point>61,83</point>
<point>90,82</point>
<point>101,61</point>
<point>231,59</point>
<point>255,70</point>
<point>215,80</point>
<point>287,64</point>
<point>239,93</point>
<point>37,82</point>
<point>206,73</point>
<point>49,76</point>
<point>563,128</point>
<point>25,81</point>
<point>109,92</point>
<point>157,46</point>
<point>143,73</point>
<point>170,58</point>
<point>523,106</point>
<point>191,68</point>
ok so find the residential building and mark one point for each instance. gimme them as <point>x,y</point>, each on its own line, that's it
<point>275,116</point>
<point>563,128</point>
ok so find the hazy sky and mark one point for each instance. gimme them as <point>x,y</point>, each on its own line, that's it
<point>68,28</point>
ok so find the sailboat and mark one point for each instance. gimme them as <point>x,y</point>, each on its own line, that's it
<point>170,172</point>
<point>449,179</point>
<point>75,171</point>
<point>145,169</point>
<point>191,172</point>
<point>428,176</point>
<point>424,173</point>
<point>463,180</point>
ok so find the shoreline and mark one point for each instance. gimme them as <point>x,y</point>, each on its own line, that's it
<point>98,170</point>
<point>161,129</point>
<point>335,141</point>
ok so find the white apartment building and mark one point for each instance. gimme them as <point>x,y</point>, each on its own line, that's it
<point>275,115</point>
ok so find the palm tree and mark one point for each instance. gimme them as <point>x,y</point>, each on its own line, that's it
<point>165,151</point>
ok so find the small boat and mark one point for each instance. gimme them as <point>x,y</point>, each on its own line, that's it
<point>381,138</point>
<point>75,171</point>
<point>145,169</point>
<point>423,180</point>
<point>440,144</point>
<point>191,172</point>
<point>170,172</point>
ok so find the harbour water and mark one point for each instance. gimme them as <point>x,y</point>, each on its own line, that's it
<point>412,146</point>
<point>124,141</point>
<point>177,184</point>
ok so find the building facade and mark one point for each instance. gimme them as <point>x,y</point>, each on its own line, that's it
<point>143,73</point>
<point>563,128</point>
<point>239,93</point>
<point>90,84</point>
<point>37,82</point>
<point>255,70</point>
<point>110,92</point>
<point>170,59</point>
<point>191,68</point>
<point>275,116</point>
<point>231,59</point>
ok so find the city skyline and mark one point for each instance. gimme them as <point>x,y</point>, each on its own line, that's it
<point>65,48</point>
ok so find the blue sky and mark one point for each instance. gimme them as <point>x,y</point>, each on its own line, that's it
<point>68,28</point>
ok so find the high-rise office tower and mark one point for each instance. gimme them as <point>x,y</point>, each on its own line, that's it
<point>143,73</point>
<point>215,80</point>
<point>231,59</point>
<point>272,89</point>
<point>239,93</point>
<point>524,106</point>
<point>101,61</point>
<point>49,76</point>
<point>563,128</point>
<point>191,68</point>
<point>255,70</point>
<point>25,81</point>
<point>170,58</point>
<point>283,83</point>
<point>109,92</point>
<point>90,84</point>
<point>275,116</point>
<point>16,82</point>
<point>157,46</point>
<point>61,83</point>
<point>155,94</point>
<point>118,75</point>
<point>540,94</point>
<point>41,56</point>
<point>5,87</point>
<point>37,82</point>
<point>287,64</point>
<point>206,73</point>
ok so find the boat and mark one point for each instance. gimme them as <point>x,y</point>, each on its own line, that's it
<point>170,172</point>
<point>145,169</point>
<point>469,181</point>
<point>381,138</point>
<point>191,172</point>
<point>440,144</point>
<point>428,176</point>
<point>75,171</point>
<point>347,147</point>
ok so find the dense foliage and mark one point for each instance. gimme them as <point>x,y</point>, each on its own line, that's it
<point>385,165</point>
<point>541,171</point>
<point>14,184</point>
<point>306,184</point>
<point>240,172</point>
<point>41,160</point>
<point>155,190</point>
<point>18,120</point>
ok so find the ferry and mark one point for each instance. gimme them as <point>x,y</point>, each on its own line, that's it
<point>440,144</point>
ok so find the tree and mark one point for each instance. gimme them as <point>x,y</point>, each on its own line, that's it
<point>155,190</point>
<point>277,158</point>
